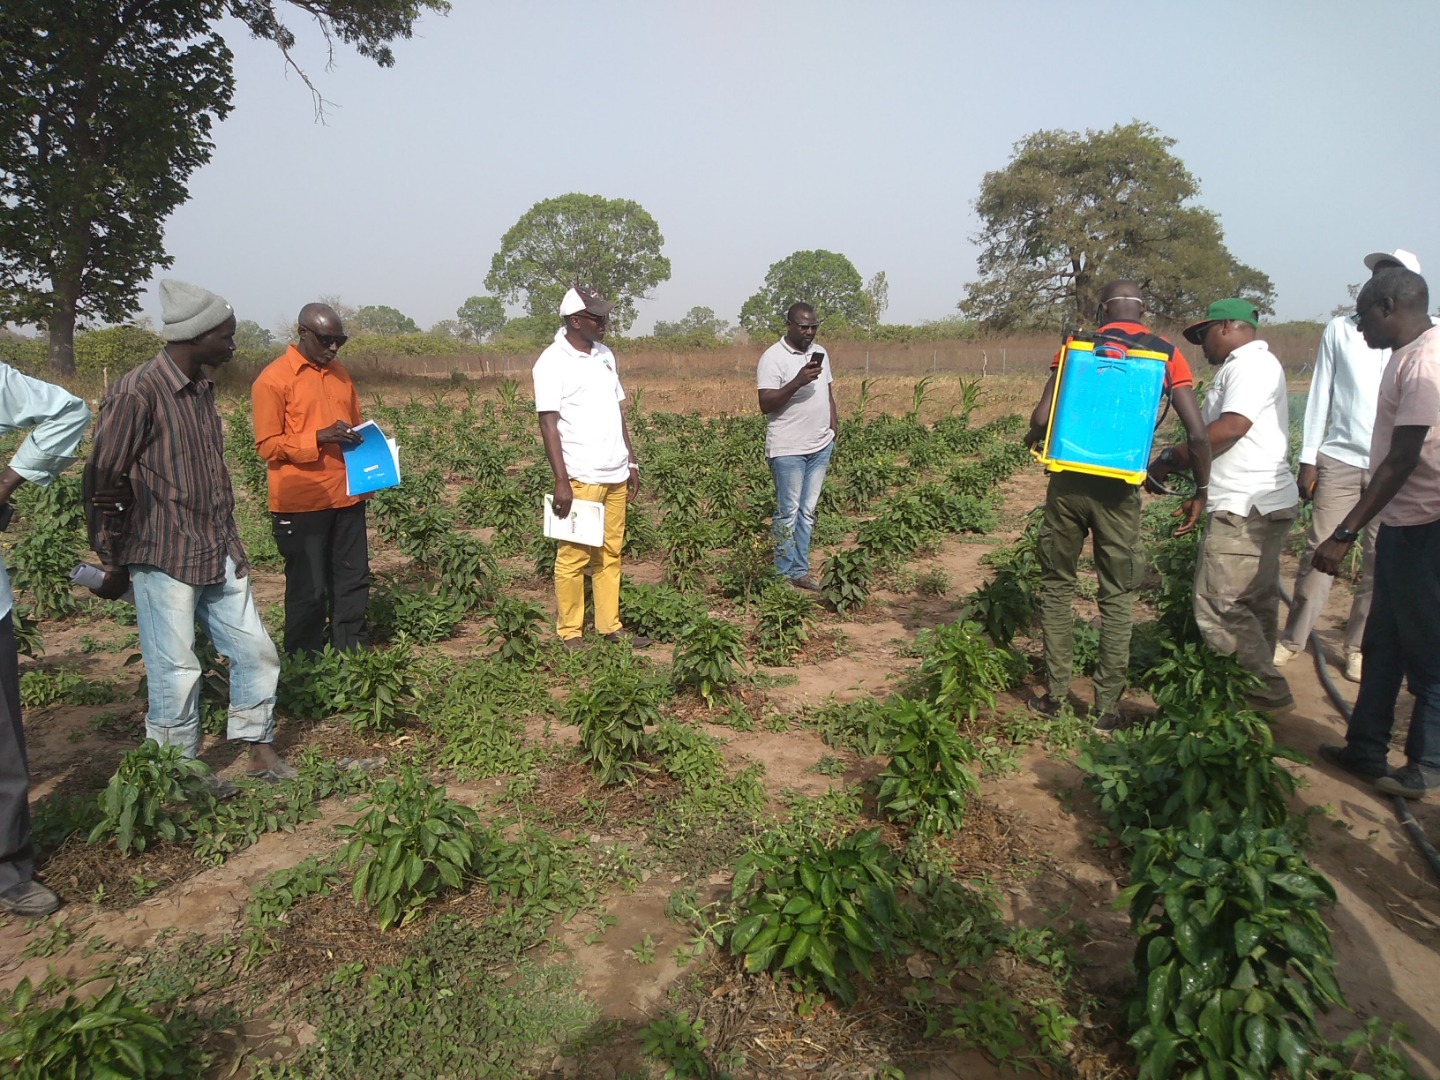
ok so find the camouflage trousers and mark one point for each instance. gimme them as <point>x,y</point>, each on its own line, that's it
<point>1237,593</point>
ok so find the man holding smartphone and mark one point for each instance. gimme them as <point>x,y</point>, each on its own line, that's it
<point>797,396</point>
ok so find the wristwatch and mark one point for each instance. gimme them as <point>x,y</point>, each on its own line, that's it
<point>1167,456</point>
<point>1344,535</point>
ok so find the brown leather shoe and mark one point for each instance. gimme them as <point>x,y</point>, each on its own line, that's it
<point>807,582</point>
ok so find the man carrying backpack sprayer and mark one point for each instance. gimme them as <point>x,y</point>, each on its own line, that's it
<point>1108,510</point>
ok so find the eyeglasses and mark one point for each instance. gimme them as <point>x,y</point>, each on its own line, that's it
<point>328,341</point>
<point>1360,312</point>
<point>803,325</point>
<point>598,320</point>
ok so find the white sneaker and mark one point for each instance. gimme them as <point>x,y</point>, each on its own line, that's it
<point>1284,654</point>
<point>1353,665</point>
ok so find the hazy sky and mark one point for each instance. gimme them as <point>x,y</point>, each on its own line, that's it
<point>753,129</point>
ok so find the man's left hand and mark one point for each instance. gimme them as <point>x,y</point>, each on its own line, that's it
<point>115,500</point>
<point>1329,555</point>
<point>1192,510</point>
<point>632,486</point>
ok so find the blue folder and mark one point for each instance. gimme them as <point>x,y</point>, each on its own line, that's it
<point>371,464</point>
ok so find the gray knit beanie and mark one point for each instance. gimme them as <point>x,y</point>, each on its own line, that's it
<point>189,311</point>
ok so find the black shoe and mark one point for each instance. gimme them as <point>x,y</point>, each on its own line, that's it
<point>637,641</point>
<point>1107,723</point>
<point>29,899</point>
<point>1043,705</point>
<point>1411,781</point>
<point>1342,759</point>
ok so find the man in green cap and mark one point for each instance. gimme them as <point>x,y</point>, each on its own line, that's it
<point>1252,500</point>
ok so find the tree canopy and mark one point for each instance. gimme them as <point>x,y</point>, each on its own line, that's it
<point>699,326</point>
<point>611,244</point>
<point>826,281</point>
<point>1071,212</point>
<point>108,110</point>
<point>481,318</point>
<point>380,319</point>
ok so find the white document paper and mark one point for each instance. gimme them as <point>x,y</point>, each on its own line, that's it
<point>585,525</point>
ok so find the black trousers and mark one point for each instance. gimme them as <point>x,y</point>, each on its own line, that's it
<point>17,856</point>
<point>327,578</point>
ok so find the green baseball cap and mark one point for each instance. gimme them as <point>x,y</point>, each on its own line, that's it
<point>1232,309</point>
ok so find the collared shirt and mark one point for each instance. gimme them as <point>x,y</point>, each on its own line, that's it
<point>163,432</point>
<point>584,388</point>
<point>58,419</point>
<point>802,425</point>
<point>1254,474</point>
<point>1340,411</point>
<point>293,399</point>
<point>1410,397</point>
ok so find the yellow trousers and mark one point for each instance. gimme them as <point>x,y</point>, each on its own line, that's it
<point>572,560</point>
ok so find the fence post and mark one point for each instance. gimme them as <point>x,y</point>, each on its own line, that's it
<point>934,361</point>
<point>867,363</point>
<point>1003,351</point>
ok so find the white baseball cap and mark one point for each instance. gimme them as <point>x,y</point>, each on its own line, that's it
<point>584,298</point>
<point>1407,259</point>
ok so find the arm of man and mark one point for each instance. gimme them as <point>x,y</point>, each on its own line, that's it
<point>1385,481</point>
<point>57,419</point>
<point>632,490</point>
<point>1317,410</point>
<point>1040,416</point>
<point>775,398</point>
<point>1194,455</point>
<point>834,413</point>
<point>550,436</point>
<point>119,439</point>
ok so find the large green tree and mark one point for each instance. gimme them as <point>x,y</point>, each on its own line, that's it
<point>108,108</point>
<point>826,281</point>
<point>1071,212</point>
<point>611,244</point>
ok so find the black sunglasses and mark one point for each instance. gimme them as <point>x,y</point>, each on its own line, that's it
<point>599,320</point>
<point>329,341</point>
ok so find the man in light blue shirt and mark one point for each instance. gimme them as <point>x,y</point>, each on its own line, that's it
<point>58,419</point>
<point>1335,469</point>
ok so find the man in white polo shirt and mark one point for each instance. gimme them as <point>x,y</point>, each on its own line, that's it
<point>1253,498</point>
<point>796,395</point>
<point>1335,469</point>
<point>578,395</point>
<point>1402,636</point>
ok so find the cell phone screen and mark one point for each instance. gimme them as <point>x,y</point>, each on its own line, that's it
<point>816,359</point>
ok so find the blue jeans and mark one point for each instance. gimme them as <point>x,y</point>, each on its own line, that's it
<point>1402,642</point>
<point>798,478</point>
<point>166,611</point>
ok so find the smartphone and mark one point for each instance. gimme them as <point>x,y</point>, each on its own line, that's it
<point>816,359</point>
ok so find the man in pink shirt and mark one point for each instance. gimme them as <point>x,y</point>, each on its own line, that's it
<point>1402,635</point>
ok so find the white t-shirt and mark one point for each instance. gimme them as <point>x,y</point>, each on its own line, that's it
<point>1410,397</point>
<point>1254,473</point>
<point>584,388</point>
<point>802,424</point>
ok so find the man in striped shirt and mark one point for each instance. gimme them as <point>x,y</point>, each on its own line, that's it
<point>162,520</point>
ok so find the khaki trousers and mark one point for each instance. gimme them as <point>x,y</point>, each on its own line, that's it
<point>573,560</point>
<point>1237,592</point>
<point>1338,488</point>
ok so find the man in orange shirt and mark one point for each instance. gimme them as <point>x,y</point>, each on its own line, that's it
<point>305,413</point>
